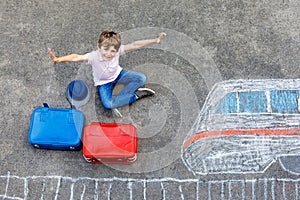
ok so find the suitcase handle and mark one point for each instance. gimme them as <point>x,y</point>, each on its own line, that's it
<point>47,106</point>
<point>107,124</point>
<point>44,114</point>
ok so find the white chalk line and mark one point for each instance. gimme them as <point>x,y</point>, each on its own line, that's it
<point>243,190</point>
<point>130,189</point>
<point>163,190</point>
<point>145,189</point>
<point>229,190</point>
<point>72,191</point>
<point>197,191</point>
<point>296,191</point>
<point>222,191</point>
<point>7,184</point>
<point>208,191</point>
<point>57,188</point>
<point>181,193</point>
<point>253,190</point>
<point>130,181</point>
<point>266,189</point>
<point>109,191</point>
<point>96,196</point>
<point>273,189</point>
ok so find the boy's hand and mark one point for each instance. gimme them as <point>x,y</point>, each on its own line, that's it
<point>54,58</point>
<point>160,37</point>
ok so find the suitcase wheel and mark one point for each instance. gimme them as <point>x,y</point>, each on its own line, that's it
<point>132,159</point>
<point>72,148</point>
<point>88,159</point>
<point>36,146</point>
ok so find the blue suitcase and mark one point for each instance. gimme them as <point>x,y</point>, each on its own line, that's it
<point>56,128</point>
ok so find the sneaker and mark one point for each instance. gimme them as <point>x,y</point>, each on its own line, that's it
<point>144,92</point>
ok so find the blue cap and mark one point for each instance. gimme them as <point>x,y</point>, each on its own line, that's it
<point>78,93</point>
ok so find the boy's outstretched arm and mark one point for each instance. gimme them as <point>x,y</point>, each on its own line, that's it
<point>68,58</point>
<point>142,43</point>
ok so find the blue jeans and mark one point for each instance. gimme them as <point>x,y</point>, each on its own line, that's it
<point>132,80</point>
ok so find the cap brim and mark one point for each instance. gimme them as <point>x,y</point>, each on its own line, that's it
<point>78,103</point>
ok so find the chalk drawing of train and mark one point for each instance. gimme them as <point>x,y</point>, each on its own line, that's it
<point>245,126</point>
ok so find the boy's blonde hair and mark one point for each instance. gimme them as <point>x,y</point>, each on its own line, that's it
<point>109,38</point>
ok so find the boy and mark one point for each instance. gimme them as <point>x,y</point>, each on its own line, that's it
<point>107,72</point>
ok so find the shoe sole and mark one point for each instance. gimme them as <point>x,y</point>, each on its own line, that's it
<point>146,89</point>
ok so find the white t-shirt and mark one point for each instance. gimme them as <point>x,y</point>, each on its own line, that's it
<point>104,71</point>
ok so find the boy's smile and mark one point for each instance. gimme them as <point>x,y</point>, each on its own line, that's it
<point>108,52</point>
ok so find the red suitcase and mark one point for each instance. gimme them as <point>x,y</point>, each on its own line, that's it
<point>109,143</point>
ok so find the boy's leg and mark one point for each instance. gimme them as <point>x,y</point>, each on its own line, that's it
<point>105,92</point>
<point>133,81</point>
<point>126,96</point>
<point>107,99</point>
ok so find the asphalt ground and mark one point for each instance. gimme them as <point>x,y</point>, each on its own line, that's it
<point>207,42</point>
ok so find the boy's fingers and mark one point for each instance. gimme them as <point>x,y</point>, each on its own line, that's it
<point>50,51</point>
<point>162,35</point>
<point>52,55</point>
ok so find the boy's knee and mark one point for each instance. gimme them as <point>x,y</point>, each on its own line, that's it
<point>107,105</point>
<point>142,79</point>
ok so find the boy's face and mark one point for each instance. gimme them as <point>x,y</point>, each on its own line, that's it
<point>108,52</point>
